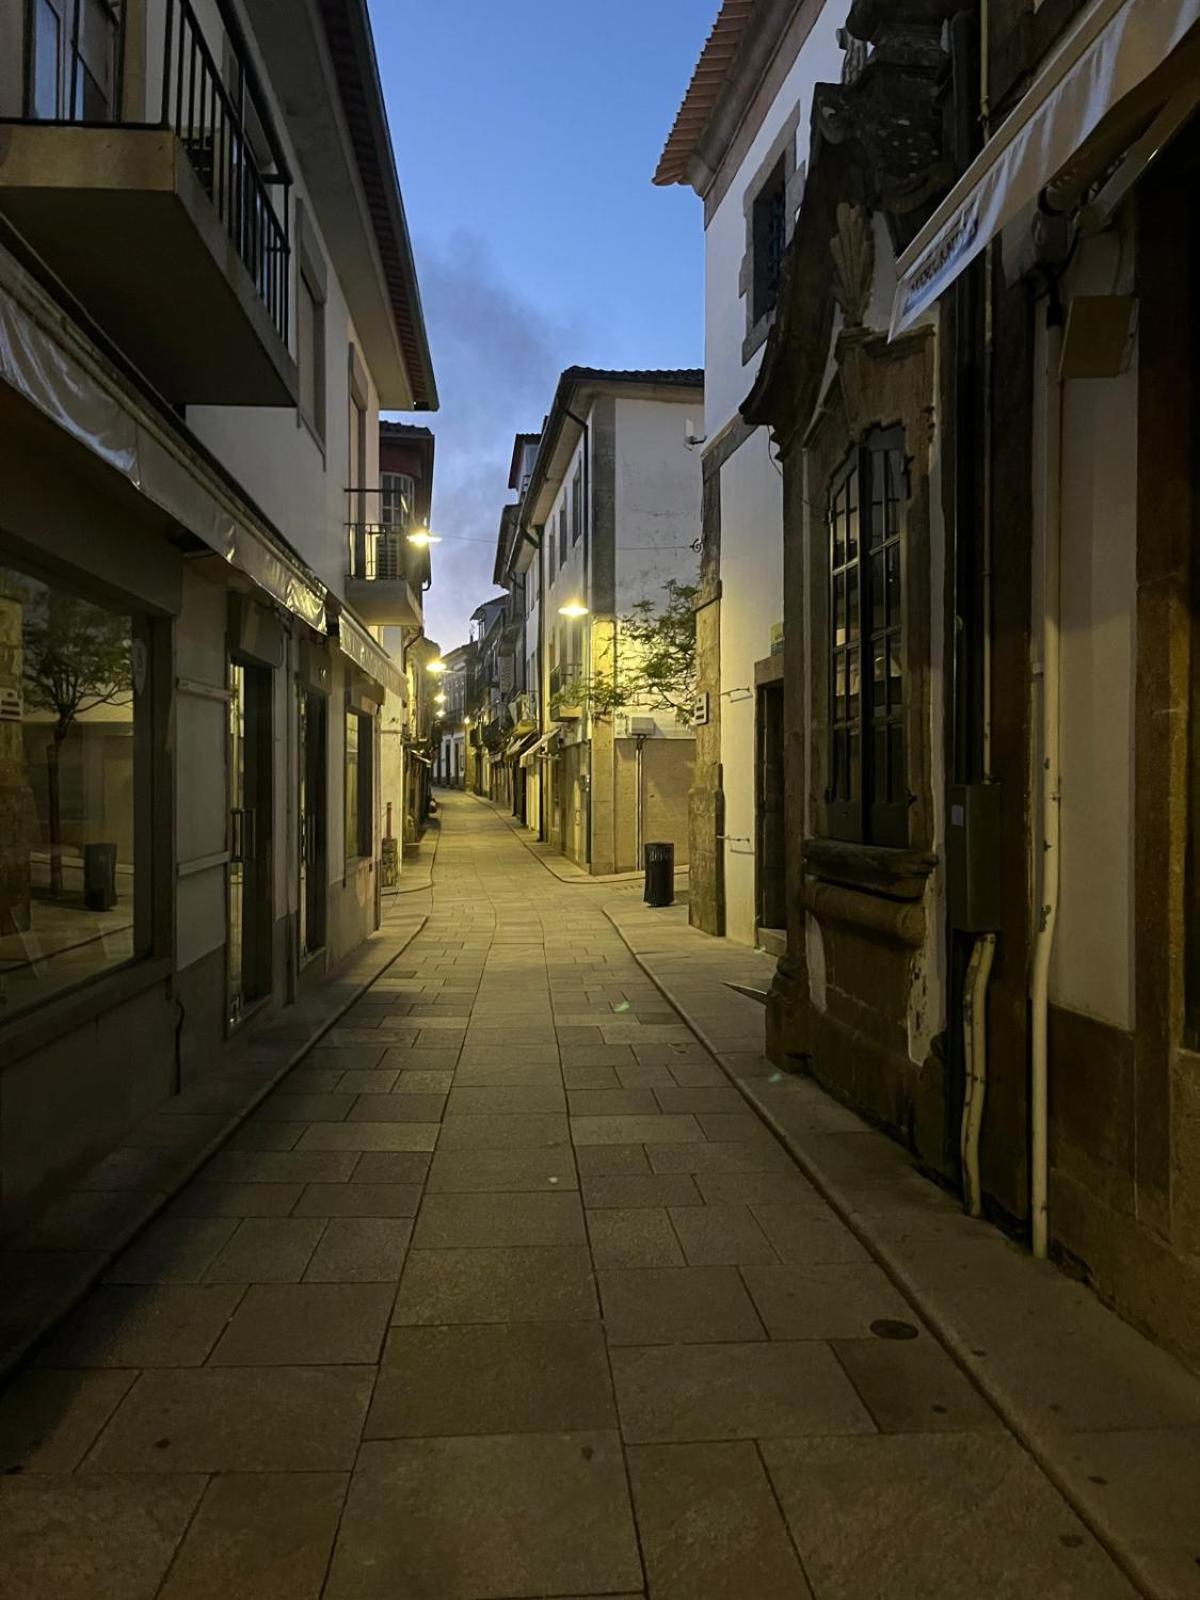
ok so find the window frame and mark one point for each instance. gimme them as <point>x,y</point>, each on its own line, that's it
<point>577,505</point>
<point>363,834</point>
<point>865,556</point>
<point>562,534</point>
<point>768,227</point>
<point>311,279</point>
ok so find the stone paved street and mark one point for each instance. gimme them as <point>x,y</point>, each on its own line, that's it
<point>506,1292</point>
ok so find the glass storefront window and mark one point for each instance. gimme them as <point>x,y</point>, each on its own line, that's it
<point>72,699</point>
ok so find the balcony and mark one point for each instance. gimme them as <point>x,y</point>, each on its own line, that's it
<point>379,581</point>
<point>171,231</point>
<point>523,708</point>
<point>566,694</point>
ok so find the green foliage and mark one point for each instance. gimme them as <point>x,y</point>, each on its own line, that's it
<point>77,656</point>
<point>652,664</point>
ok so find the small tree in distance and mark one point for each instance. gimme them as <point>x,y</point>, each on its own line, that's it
<point>77,657</point>
<point>655,660</point>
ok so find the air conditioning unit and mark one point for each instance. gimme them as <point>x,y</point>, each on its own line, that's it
<point>642,725</point>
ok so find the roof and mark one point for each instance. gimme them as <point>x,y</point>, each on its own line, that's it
<point>352,51</point>
<point>576,378</point>
<point>405,430</point>
<point>704,91</point>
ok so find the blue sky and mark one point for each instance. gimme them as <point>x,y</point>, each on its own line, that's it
<point>526,133</point>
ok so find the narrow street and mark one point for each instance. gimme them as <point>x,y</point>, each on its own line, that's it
<point>505,1292</point>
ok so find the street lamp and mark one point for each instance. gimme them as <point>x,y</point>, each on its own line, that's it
<point>423,538</point>
<point>435,667</point>
<point>439,699</point>
<point>573,608</point>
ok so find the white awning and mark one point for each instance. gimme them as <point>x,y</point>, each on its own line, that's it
<point>1115,46</point>
<point>367,653</point>
<point>539,748</point>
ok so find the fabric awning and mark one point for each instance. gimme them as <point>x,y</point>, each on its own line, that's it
<point>539,747</point>
<point>367,653</point>
<point>417,756</point>
<point>1112,50</point>
<point>517,743</point>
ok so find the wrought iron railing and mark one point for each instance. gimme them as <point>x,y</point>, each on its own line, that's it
<point>220,117</point>
<point>213,126</point>
<point>376,552</point>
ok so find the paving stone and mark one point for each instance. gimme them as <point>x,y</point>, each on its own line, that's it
<point>359,1136</point>
<point>1002,1530</point>
<point>448,1221</point>
<point>423,1080</point>
<point>697,1075</point>
<point>658,1130</point>
<point>162,1131</point>
<point>503,1132</point>
<point>359,1200</point>
<point>173,1250</point>
<point>494,1378</point>
<point>80,1537</point>
<point>260,1536</point>
<point>599,1160</point>
<point>156,1170</point>
<point>530,1284</point>
<point>81,1222</point>
<point>507,1099</point>
<point>734,1127</point>
<point>734,1391</point>
<point>312,1080</point>
<point>434,1519</point>
<point>49,1419</point>
<point>287,1106</point>
<point>398,1107</point>
<point>709,1524</point>
<point>597,1055</point>
<point>291,1166</point>
<point>721,1236</point>
<point>479,1171</point>
<point>345,1058</point>
<point>912,1386</point>
<point>265,1135</point>
<point>612,1102</point>
<point>590,1078</point>
<point>237,1419</point>
<point>131,1326</point>
<point>633,1238</point>
<point>780,1184</point>
<point>662,1054</point>
<point>804,1237</point>
<point>427,1058</point>
<point>763,1155</point>
<point>360,1250</point>
<point>676,1305</point>
<point>267,1250</point>
<point>835,1301</point>
<point>392,1166</point>
<point>202,1199</point>
<point>646,1078</point>
<point>306,1324</point>
<point>378,1082</point>
<point>602,1191</point>
<point>703,1100</point>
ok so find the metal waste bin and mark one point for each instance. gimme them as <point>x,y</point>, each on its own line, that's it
<point>660,875</point>
<point>99,876</point>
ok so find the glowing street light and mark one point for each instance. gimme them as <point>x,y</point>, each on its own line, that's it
<point>439,699</point>
<point>423,538</point>
<point>573,608</point>
<point>436,667</point>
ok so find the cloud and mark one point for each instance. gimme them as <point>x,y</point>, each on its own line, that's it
<point>497,357</point>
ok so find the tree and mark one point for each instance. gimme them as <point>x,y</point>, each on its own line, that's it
<point>77,657</point>
<point>651,661</point>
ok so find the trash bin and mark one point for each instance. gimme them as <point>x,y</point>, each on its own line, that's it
<point>660,875</point>
<point>99,876</point>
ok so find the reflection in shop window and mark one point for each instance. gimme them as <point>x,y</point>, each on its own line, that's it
<point>72,681</point>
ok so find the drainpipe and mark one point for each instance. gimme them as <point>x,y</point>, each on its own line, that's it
<point>1051,791</point>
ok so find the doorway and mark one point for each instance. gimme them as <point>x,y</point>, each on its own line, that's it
<point>248,947</point>
<point>313,814</point>
<point>770,844</point>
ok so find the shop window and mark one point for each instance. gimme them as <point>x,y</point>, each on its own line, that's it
<point>360,786</point>
<point>74,790</point>
<point>868,792</point>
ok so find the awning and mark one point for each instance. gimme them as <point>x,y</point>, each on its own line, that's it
<point>358,646</point>
<point>67,386</point>
<point>417,756</point>
<point>517,743</point>
<point>538,748</point>
<point>1112,50</point>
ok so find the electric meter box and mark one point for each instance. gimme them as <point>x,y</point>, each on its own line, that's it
<point>974,857</point>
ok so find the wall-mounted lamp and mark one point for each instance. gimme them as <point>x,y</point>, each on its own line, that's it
<point>573,608</point>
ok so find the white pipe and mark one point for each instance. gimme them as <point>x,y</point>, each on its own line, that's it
<point>975,1054</point>
<point>1051,787</point>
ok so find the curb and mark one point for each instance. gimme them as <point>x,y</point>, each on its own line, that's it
<point>1006,1408</point>
<point>87,1281</point>
<point>584,880</point>
<point>427,882</point>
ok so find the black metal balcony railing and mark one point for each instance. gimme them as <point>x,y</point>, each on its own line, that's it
<point>222,121</point>
<point>376,552</point>
<point>212,125</point>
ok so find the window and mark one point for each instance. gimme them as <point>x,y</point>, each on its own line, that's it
<point>399,495</point>
<point>360,788</point>
<point>550,548</point>
<point>868,791</point>
<point>310,355</point>
<point>74,790</point>
<point>769,241</point>
<point>72,49</point>
<point>577,505</point>
<point>562,534</point>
